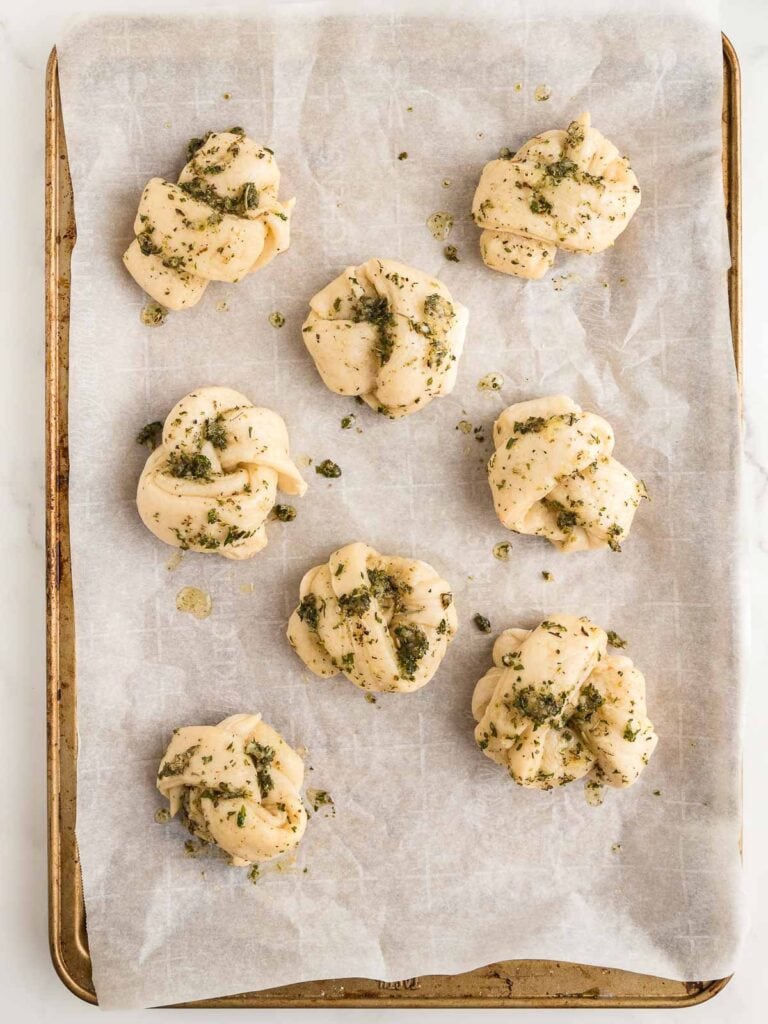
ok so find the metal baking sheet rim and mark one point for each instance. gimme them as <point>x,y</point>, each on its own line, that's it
<point>515,983</point>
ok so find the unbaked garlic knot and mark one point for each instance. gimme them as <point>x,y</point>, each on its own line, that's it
<point>238,785</point>
<point>222,220</point>
<point>553,474</point>
<point>556,707</point>
<point>384,622</point>
<point>563,189</point>
<point>211,484</point>
<point>388,333</point>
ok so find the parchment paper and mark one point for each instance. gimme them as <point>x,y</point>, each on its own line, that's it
<point>434,861</point>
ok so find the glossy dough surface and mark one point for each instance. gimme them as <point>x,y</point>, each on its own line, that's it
<point>552,474</point>
<point>555,707</point>
<point>238,784</point>
<point>222,220</point>
<point>563,189</point>
<point>212,482</point>
<point>388,333</point>
<point>384,622</point>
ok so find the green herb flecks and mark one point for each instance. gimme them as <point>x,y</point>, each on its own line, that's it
<point>375,310</point>
<point>439,317</point>
<point>262,757</point>
<point>590,699</point>
<point>189,465</point>
<point>216,432</point>
<point>356,602</point>
<point>412,644</point>
<point>204,192</point>
<point>530,426</point>
<point>630,734</point>
<point>178,764</point>
<point>539,204</point>
<point>147,245</point>
<point>309,610</point>
<point>482,623</point>
<point>539,705</point>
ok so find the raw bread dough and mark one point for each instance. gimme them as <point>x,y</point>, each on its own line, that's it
<point>564,189</point>
<point>211,483</point>
<point>556,707</point>
<point>222,221</point>
<point>384,622</point>
<point>552,474</point>
<point>389,333</point>
<point>238,784</point>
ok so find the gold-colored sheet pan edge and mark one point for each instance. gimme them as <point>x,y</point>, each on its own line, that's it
<point>515,983</point>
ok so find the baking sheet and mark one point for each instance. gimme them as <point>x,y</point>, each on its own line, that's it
<point>428,842</point>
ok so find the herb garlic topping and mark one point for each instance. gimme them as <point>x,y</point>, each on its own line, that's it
<point>556,707</point>
<point>552,474</point>
<point>385,622</point>
<point>388,333</point>
<point>564,189</point>
<point>211,484</point>
<point>222,220</point>
<point>237,784</point>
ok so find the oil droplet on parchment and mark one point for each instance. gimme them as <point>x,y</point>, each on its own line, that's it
<point>153,314</point>
<point>491,382</point>
<point>195,601</point>
<point>440,224</point>
<point>501,550</point>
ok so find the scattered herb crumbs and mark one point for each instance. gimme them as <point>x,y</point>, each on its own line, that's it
<point>547,576</point>
<point>402,156</point>
<point>150,435</point>
<point>657,792</point>
<point>328,469</point>
<point>370,698</point>
<point>451,253</point>
<point>348,421</point>
<point>162,814</point>
<point>276,319</point>
<point>285,513</point>
<point>615,640</point>
<point>482,623</point>
<point>464,426</point>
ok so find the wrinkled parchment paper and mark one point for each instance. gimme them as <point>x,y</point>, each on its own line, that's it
<point>434,861</point>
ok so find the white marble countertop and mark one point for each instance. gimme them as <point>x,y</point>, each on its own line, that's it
<point>29,987</point>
